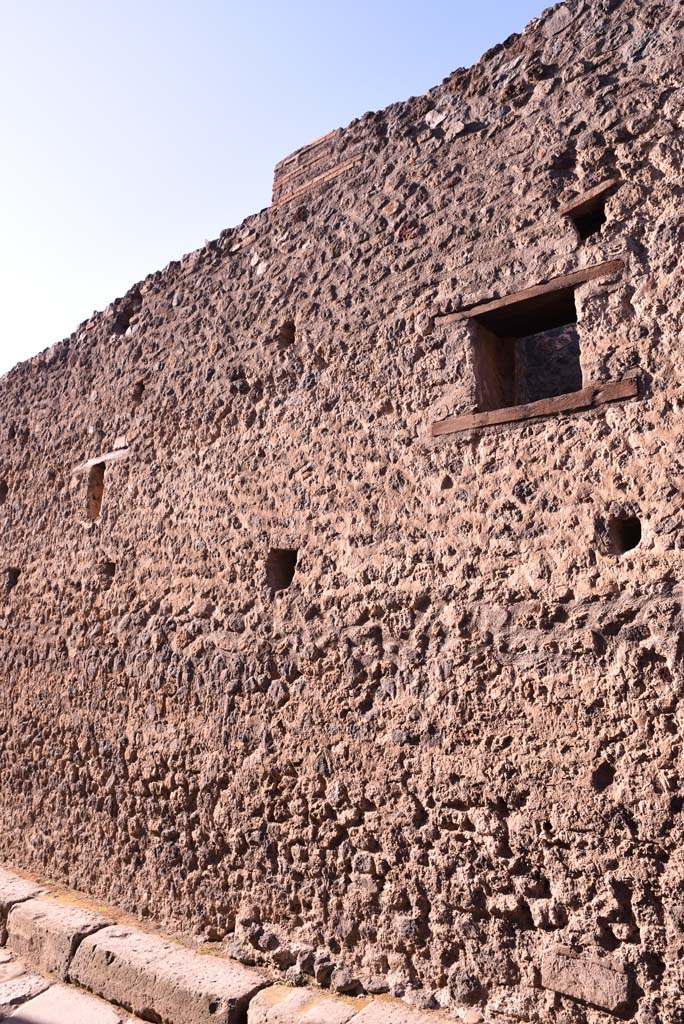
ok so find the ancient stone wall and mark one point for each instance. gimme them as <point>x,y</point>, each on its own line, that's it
<point>333,627</point>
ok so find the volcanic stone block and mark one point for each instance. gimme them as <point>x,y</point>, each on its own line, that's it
<point>48,934</point>
<point>280,1004</point>
<point>158,980</point>
<point>13,890</point>
<point>598,982</point>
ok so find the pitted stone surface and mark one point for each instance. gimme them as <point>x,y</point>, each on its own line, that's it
<point>147,975</point>
<point>453,737</point>
<point>47,933</point>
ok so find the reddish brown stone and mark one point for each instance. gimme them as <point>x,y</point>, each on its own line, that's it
<point>349,701</point>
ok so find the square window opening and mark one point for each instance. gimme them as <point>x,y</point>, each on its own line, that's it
<point>527,351</point>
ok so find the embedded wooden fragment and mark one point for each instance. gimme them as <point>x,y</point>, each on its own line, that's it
<point>589,397</point>
<point>116,456</point>
<point>565,281</point>
<point>585,202</point>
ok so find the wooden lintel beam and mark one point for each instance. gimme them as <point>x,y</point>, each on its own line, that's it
<point>583,203</point>
<point>572,280</point>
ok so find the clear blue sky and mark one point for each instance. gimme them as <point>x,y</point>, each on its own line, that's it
<point>133,131</point>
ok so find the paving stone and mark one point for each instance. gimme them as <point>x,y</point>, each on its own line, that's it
<point>13,890</point>
<point>159,980</point>
<point>11,968</point>
<point>281,1004</point>
<point>47,933</point>
<point>62,1005</point>
<point>15,992</point>
<point>602,983</point>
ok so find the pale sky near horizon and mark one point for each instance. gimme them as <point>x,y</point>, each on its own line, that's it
<point>133,131</point>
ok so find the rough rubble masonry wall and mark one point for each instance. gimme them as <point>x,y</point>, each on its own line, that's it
<point>285,665</point>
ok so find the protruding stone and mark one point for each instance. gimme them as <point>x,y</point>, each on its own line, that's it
<point>48,933</point>
<point>601,983</point>
<point>156,979</point>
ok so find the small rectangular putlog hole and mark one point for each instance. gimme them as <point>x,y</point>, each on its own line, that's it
<point>95,490</point>
<point>280,568</point>
<point>11,578</point>
<point>527,351</point>
<point>588,212</point>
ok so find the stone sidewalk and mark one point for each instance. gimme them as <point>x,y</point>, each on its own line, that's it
<point>29,998</point>
<point>66,963</point>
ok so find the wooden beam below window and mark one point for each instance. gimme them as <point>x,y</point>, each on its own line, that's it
<point>588,398</point>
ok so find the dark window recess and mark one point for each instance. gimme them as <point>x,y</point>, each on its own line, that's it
<point>107,570</point>
<point>95,490</point>
<point>4,490</point>
<point>527,351</point>
<point>624,533</point>
<point>138,392</point>
<point>286,334</point>
<point>280,568</point>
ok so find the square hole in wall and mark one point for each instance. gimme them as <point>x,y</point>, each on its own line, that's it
<point>527,350</point>
<point>280,568</point>
<point>588,212</point>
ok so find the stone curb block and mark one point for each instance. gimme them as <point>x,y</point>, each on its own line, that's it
<point>393,1011</point>
<point>13,890</point>
<point>160,981</point>
<point>47,934</point>
<point>282,1005</point>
